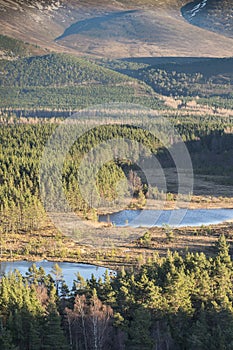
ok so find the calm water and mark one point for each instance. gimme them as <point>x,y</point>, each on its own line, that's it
<point>69,269</point>
<point>178,218</point>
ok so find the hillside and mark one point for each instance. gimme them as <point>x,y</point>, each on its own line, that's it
<point>111,28</point>
<point>214,15</point>
<point>56,70</point>
<point>184,77</point>
<point>61,82</point>
<point>11,48</point>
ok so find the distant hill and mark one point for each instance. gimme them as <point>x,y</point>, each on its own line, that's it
<point>115,29</point>
<point>214,15</point>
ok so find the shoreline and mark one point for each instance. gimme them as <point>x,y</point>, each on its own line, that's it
<point>188,238</point>
<point>47,243</point>
<point>197,202</point>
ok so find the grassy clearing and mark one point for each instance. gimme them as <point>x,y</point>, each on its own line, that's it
<point>51,245</point>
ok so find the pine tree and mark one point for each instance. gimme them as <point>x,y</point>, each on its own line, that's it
<point>53,337</point>
<point>109,295</point>
<point>6,341</point>
<point>199,336</point>
<point>223,251</point>
<point>139,331</point>
<point>57,272</point>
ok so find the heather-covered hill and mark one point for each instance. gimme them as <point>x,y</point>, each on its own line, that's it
<point>113,29</point>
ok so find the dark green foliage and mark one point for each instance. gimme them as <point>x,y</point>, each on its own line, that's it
<point>20,202</point>
<point>22,146</point>
<point>29,316</point>
<point>53,336</point>
<point>140,331</point>
<point>62,82</point>
<point>212,330</point>
<point>6,341</point>
<point>48,101</point>
<point>206,78</point>
<point>56,70</point>
<point>181,303</point>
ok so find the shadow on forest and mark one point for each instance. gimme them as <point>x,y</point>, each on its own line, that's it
<point>211,155</point>
<point>205,65</point>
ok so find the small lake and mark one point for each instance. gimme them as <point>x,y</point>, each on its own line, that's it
<point>68,269</point>
<point>176,218</point>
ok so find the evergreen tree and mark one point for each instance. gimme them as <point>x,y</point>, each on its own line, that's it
<point>53,337</point>
<point>139,331</point>
<point>223,250</point>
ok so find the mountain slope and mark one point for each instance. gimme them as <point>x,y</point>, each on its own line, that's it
<point>111,28</point>
<point>59,82</point>
<point>214,15</point>
<point>142,33</point>
<point>203,77</point>
<point>56,70</point>
<point>11,48</point>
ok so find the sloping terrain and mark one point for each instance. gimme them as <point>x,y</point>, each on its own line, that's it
<point>56,70</point>
<point>60,82</point>
<point>214,15</point>
<point>203,77</point>
<point>11,48</point>
<point>142,33</point>
<point>111,28</point>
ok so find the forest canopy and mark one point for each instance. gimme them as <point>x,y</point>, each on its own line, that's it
<point>177,302</point>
